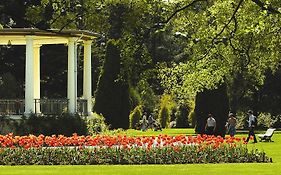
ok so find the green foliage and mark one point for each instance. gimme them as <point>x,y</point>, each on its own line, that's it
<point>214,102</point>
<point>8,86</point>
<point>112,95</point>
<point>269,95</point>
<point>96,124</point>
<point>242,118</point>
<point>64,124</point>
<point>135,116</point>
<point>192,118</point>
<point>164,117</point>
<point>265,120</point>
<point>97,156</point>
<point>201,47</point>
<point>277,120</point>
<point>135,98</point>
<point>223,46</point>
<point>7,125</point>
<point>165,110</point>
<point>183,113</point>
<point>148,98</point>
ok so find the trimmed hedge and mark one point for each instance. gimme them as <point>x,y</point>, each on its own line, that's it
<point>64,124</point>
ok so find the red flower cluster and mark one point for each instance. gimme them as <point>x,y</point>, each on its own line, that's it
<point>121,141</point>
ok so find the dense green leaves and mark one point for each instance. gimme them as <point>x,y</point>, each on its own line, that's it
<point>228,41</point>
<point>175,47</point>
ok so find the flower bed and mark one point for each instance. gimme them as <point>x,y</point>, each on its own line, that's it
<point>163,149</point>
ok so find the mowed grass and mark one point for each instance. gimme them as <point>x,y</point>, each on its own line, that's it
<point>273,149</point>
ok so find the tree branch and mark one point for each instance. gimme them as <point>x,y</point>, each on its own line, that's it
<point>247,52</point>
<point>181,9</point>
<point>225,26</point>
<point>229,21</point>
<point>264,7</point>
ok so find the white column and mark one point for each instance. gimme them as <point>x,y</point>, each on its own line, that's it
<point>36,51</point>
<point>87,76</point>
<point>71,77</point>
<point>29,77</point>
<point>75,74</point>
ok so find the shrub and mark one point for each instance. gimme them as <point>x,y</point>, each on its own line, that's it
<point>265,120</point>
<point>277,123</point>
<point>135,116</point>
<point>50,124</point>
<point>183,113</point>
<point>241,120</point>
<point>96,124</point>
<point>148,98</point>
<point>166,105</point>
<point>7,125</point>
<point>164,117</point>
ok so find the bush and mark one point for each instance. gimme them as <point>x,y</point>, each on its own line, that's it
<point>96,124</point>
<point>183,113</point>
<point>277,123</point>
<point>265,120</point>
<point>166,105</point>
<point>48,125</point>
<point>7,125</point>
<point>135,116</point>
<point>148,98</point>
<point>241,118</point>
<point>164,117</point>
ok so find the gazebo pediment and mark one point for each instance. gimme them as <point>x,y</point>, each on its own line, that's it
<point>17,36</point>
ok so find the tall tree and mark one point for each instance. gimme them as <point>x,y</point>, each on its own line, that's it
<point>112,96</point>
<point>226,43</point>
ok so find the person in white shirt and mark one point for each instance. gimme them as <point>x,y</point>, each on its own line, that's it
<point>252,122</point>
<point>210,126</point>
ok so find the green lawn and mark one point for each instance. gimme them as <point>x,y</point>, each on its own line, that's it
<point>273,149</point>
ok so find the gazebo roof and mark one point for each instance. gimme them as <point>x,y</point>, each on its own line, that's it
<point>17,36</point>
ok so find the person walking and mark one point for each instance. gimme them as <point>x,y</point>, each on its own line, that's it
<point>144,123</point>
<point>231,124</point>
<point>210,126</point>
<point>252,122</point>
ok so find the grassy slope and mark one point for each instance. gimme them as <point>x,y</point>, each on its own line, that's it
<point>272,149</point>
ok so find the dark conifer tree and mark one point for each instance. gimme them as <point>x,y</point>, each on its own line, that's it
<point>214,102</point>
<point>112,96</point>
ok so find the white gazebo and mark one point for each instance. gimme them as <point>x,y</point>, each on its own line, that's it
<point>33,39</point>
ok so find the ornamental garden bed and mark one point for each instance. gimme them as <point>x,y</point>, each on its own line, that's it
<point>92,150</point>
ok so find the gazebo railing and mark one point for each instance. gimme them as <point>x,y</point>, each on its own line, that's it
<point>11,107</point>
<point>51,106</point>
<point>82,107</point>
<point>42,106</point>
